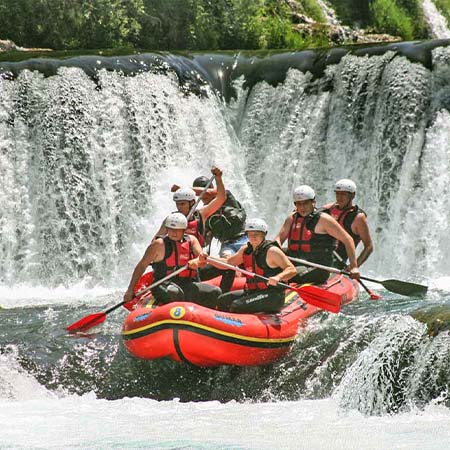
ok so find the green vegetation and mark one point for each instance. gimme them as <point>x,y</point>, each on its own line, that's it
<point>198,24</point>
<point>391,18</point>
<point>311,9</point>
<point>444,8</point>
<point>61,24</point>
<point>353,12</point>
<point>152,24</point>
<point>402,18</point>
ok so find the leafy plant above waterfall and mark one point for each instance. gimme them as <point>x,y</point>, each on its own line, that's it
<point>397,17</point>
<point>312,9</point>
<point>64,25</point>
<point>206,24</point>
<point>391,18</point>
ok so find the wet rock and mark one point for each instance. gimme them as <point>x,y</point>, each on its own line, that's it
<point>364,37</point>
<point>437,318</point>
<point>341,35</point>
<point>301,18</point>
<point>6,45</point>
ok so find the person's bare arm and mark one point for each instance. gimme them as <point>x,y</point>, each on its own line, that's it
<point>360,227</point>
<point>197,249</point>
<point>154,252</point>
<point>210,191</point>
<point>219,199</point>
<point>276,258</point>
<point>330,226</point>
<point>284,231</point>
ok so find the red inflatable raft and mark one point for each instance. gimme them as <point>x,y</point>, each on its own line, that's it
<point>187,332</point>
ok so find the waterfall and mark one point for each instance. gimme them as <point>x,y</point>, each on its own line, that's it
<point>87,163</point>
<point>369,126</point>
<point>87,168</point>
<point>400,367</point>
<point>332,20</point>
<point>437,23</point>
<point>329,13</point>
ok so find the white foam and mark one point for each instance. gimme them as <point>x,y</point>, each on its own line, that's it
<point>86,422</point>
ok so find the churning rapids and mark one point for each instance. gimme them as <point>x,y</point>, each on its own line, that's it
<point>89,148</point>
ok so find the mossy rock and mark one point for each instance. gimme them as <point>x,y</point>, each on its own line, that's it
<point>437,319</point>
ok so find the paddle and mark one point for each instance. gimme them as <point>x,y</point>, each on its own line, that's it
<point>397,286</point>
<point>372,295</point>
<point>95,319</point>
<point>313,295</point>
<point>194,206</point>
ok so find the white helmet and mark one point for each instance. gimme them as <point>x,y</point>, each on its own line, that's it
<point>256,225</point>
<point>304,192</point>
<point>176,220</point>
<point>184,194</point>
<point>345,185</point>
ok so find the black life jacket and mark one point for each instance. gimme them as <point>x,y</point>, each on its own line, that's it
<point>176,255</point>
<point>228,221</point>
<point>256,261</point>
<point>305,243</point>
<point>346,217</point>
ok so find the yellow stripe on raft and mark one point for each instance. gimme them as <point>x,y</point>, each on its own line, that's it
<point>290,296</point>
<point>204,327</point>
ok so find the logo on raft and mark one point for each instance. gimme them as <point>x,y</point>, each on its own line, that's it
<point>228,320</point>
<point>142,317</point>
<point>177,312</point>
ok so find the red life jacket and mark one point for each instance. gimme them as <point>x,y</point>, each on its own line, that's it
<point>256,261</point>
<point>302,232</point>
<point>346,217</point>
<point>196,228</point>
<point>176,255</point>
<point>304,242</point>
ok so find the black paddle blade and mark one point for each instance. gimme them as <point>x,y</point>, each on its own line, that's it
<point>405,287</point>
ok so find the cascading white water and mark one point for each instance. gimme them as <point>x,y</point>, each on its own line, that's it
<point>382,373</point>
<point>370,126</point>
<point>15,382</point>
<point>86,168</point>
<point>437,23</point>
<point>86,171</point>
<point>330,15</point>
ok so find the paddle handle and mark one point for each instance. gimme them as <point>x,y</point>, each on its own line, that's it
<point>318,266</point>
<point>148,288</point>
<point>372,295</point>
<point>245,272</point>
<point>310,294</point>
<point>194,206</point>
